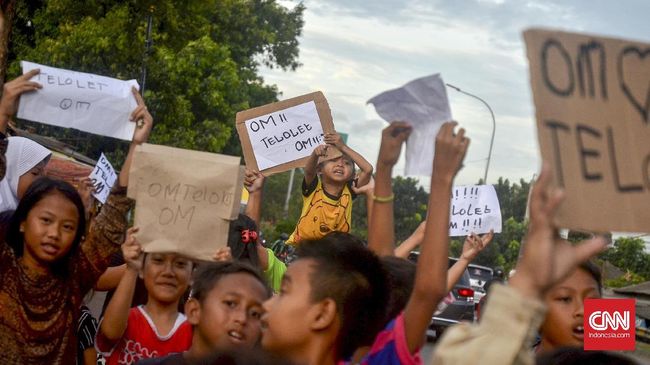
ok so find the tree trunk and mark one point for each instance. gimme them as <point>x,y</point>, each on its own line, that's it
<point>6,18</point>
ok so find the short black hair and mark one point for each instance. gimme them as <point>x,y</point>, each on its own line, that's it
<point>243,251</point>
<point>401,278</point>
<point>207,275</point>
<point>576,356</point>
<point>352,276</point>
<point>37,191</point>
<point>594,271</point>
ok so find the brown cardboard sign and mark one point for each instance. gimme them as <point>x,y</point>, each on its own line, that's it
<point>592,100</point>
<point>280,136</point>
<point>185,199</point>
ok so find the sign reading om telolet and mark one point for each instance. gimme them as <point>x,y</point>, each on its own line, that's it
<point>592,100</point>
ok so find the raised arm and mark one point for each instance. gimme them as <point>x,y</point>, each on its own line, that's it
<point>431,272</point>
<point>116,315</point>
<point>413,241</point>
<point>381,230</point>
<point>363,177</point>
<point>546,261</point>
<point>472,246</point>
<point>311,168</point>
<point>144,123</point>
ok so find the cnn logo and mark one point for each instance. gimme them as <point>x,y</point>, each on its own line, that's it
<point>608,324</point>
<point>603,321</point>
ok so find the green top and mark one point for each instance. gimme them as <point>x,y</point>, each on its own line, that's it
<point>275,271</point>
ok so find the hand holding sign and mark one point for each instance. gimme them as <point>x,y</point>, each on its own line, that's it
<point>143,119</point>
<point>11,94</point>
<point>450,151</point>
<point>474,244</point>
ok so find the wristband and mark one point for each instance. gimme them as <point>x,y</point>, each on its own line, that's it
<point>384,199</point>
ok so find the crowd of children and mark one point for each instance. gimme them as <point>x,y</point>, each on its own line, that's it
<point>343,300</point>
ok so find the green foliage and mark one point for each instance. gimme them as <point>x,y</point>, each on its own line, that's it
<point>628,279</point>
<point>629,254</point>
<point>202,68</point>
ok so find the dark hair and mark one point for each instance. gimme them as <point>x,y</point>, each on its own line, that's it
<point>354,278</point>
<point>5,219</point>
<point>401,278</point>
<point>240,250</point>
<point>593,270</point>
<point>253,356</point>
<point>37,191</point>
<point>576,356</point>
<point>207,275</point>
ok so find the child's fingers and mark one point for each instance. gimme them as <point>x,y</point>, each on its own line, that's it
<point>137,113</point>
<point>137,96</point>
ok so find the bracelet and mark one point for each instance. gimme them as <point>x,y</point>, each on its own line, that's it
<point>384,199</point>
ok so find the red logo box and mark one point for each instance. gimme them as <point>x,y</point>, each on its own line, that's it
<point>609,324</point>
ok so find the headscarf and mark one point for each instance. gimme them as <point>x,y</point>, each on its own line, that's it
<point>23,154</point>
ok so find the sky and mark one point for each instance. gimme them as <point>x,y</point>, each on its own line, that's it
<point>352,50</point>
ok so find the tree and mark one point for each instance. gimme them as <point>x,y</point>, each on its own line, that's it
<point>629,253</point>
<point>202,70</point>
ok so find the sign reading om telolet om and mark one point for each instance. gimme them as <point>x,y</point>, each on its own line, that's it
<point>474,209</point>
<point>90,103</point>
<point>280,136</point>
<point>592,99</point>
<point>185,199</point>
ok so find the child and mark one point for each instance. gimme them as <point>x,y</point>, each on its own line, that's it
<point>224,310</point>
<point>515,312</point>
<point>332,300</point>
<point>155,329</point>
<point>45,271</point>
<point>563,325</point>
<point>326,189</point>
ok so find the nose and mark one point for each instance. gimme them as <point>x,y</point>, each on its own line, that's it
<point>240,315</point>
<point>580,308</point>
<point>54,232</point>
<point>168,269</point>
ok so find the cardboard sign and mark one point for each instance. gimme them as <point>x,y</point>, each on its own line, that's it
<point>184,199</point>
<point>592,99</point>
<point>103,177</point>
<point>474,209</point>
<point>280,136</point>
<point>87,102</point>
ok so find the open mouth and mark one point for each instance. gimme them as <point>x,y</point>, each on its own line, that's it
<point>579,332</point>
<point>49,249</point>
<point>236,336</point>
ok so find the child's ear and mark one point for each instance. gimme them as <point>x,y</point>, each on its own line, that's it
<point>325,314</point>
<point>193,311</point>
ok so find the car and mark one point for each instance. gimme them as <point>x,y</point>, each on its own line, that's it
<point>457,306</point>
<point>479,275</point>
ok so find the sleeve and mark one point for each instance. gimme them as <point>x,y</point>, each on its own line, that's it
<point>308,189</point>
<point>87,330</point>
<point>104,239</point>
<point>105,347</point>
<point>390,346</point>
<point>515,317</point>
<point>275,271</point>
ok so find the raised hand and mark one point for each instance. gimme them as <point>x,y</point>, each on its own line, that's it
<point>392,138</point>
<point>474,244</point>
<point>450,151</point>
<point>320,150</point>
<point>365,189</point>
<point>223,254</point>
<point>86,189</point>
<point>335,140</point>
<point>143,119</point>
<point>547,259</point>
<point>11,94</point>
<point>132,251</point>
<point>253,180</point>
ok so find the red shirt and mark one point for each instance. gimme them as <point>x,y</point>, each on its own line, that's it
<point>141,339</point>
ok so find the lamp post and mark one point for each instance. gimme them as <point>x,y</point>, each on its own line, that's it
<point>494,126</point>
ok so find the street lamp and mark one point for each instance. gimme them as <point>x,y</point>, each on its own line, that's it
<point>494,126</point>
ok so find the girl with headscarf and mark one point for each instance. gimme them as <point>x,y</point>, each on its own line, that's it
<point>26,161</point>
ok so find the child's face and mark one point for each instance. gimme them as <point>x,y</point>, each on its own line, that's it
<point>285,325</point>
<point>230,314</point>
<point>563,325</point>
<point>49,230</point>
<point>338,170</point>
<point>166,276</point>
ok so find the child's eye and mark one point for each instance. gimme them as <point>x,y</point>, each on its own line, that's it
<point>230,303</point>
<point>45,220</point>
<point>564,299</point>
<point>256,314</point>
<point>68,227</point>
<point>181,264</point>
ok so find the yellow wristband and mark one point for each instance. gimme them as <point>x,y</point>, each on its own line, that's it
<point>384,199</point>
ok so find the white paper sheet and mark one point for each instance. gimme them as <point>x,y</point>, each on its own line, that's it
<point>285,135</point>
<point>422,103</point>
<point>103,178</point>
<point>474,209</point>
<point>90,103</point>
